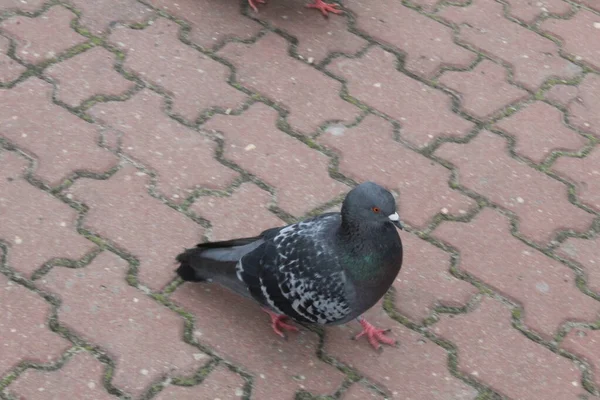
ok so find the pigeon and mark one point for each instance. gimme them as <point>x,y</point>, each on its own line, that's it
<point>320,5</point>
<point>325,270</point>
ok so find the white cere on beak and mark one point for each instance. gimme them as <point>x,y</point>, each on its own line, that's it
<point>394,217</point>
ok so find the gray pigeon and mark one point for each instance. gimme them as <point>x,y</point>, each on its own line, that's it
<point>325,270</point>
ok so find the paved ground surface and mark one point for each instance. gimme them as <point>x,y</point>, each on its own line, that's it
<point>130,129</point>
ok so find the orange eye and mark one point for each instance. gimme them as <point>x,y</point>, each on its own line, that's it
<point>375,209</point>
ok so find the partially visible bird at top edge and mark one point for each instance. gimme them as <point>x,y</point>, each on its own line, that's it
<point>320,5</point>
<point>325,270</point>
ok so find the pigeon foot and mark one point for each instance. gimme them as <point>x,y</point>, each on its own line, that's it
<point>253,5</point>
<point>374,335</point>
<point>277,323</point>
<point>325,7</point>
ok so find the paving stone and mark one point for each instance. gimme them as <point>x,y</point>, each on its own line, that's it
<point>21,5</point>
<point>416,366</point>
<point>244,214</point>
<point>182,158</point>
<point>585,344</point>
<point>428,45</point>
<point>374,80</point>
<point>585,175</point>
<point>34,44</point>
<point>562,94</point>
<point>195,81</point>
<point>237,329</point>
<point>426,5</point>
<point>310,96</point>
<point>368,152</point>
<point>485,90</point>
<point>60,142</point>
<point>211,23</point>
<point>88,74</point>
<point>539,130</point>
<point>491,351</point>
<point>545,287</point>
<point>317,37</point>
<point>425,281</point>
<point>297,172</point>
<point>80,378</point>
<point>360,392</point>
<point>579,35</point>
<point>98,15</point>
<point>98,296</point>
<point>540,202</point>
<point>585,252</point>
<point>534,58</point>
<point>220,384</point>
<point>529,10</point>
<point>9,68</point>
<point>593,4</point>
<point>154,233</point>
<point>36,226</point>
<point>23,328</point>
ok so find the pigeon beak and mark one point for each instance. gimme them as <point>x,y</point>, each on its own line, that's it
<point>395,218</point>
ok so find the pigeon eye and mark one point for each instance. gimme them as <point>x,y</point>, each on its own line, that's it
<point>375,209</point>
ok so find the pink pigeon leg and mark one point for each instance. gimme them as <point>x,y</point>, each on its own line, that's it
<point>251,2</point>
<point>325,7</point>
<point>374,335</point>
<point>277,323</point>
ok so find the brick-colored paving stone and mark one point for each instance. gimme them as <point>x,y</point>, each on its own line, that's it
<point>360,392</point>
<point>221,384</point>
<point>80,377</point>
<point>494,353</point>
<point>585,174</point>
<point>585,252</point>
<point>374,80</point>
<point>585,343</point>
<point>34,44</point>
<point>36,226</point>
<point>9,68</point>
<point>98,15</point>
<point>529,11</point>
<point>24,328</point>
<point>88,74</point>
<point>20,5</point>
<point>483,91</point>
<point>545,288</point>
<point>533,57</point>
<point>195,81</point>
<point>539,201</point>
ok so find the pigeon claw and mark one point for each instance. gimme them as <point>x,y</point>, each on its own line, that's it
<point>374,336</point>
<point>277,323</point>
<point>325,8</point>
<point>253,5</point>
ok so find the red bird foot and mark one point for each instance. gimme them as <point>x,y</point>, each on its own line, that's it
<point>374,335</point>
<point>278,324</point>
<point>253,5</point>
<point>325,7</point>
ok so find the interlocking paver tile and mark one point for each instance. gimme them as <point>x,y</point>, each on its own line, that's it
<point>416,366</point>
<point>533,57</point>
<point>34,44</point>
<point>427,43</point>
<point>528,10</point>
<point>360,392</point>
<point>79,378</point>
<point>221,384</point>
<point>60,142</point>
<point>545,287</point>
<point>253,141</point>
<point>98,296</point>
<point>21,5</point>
<point>87,74</point>
<point>585,252</point>
<point>585,344</point>
<point>368,152</point>
<point>317,37</point>
<point>374,80</point>
<point>211,22</point>
<point>23,328</point>
<point>539,201</point>
<point>539,129</point>
<point>580,35</point>
<point>593,4</point>
<point>253,217</point>
<point>310,96</point>
<point>585,174</point>
<point>195,81</point>
<point>97,15</point>
<point>153,233</point>
<point>236,329</point>
<point>9,68</point>
<point>36,226</point>
<point>491,351</point>
<point>181,157</point>
<point>484,90</point>
<point>425,281</point>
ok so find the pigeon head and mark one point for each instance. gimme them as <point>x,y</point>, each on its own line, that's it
<point>369,202</point>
